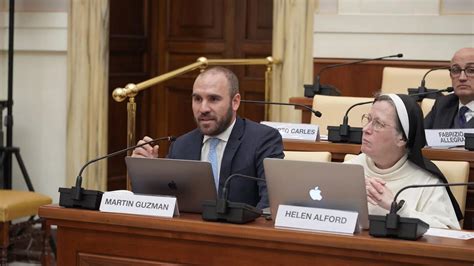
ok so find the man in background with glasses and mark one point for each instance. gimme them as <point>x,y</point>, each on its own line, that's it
<point>457,109</point>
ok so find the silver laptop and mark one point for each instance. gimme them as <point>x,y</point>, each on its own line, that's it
<point>317,184</point>
<point>191,182</point>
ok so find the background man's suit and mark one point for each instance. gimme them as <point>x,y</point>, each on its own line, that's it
<point>444,113</point>
<point>248,144</point>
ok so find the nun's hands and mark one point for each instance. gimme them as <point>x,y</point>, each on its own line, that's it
<point>378,193</point>
<point>146,151</point>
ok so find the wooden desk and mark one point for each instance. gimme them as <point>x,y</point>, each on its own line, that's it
<point>95,238</point>
<point>339,150</point>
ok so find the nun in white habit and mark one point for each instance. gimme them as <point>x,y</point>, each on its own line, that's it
<point>393,136</point>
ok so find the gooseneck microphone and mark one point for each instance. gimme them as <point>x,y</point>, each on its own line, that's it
<point>311,89</point>
<point>422,88</point>
<point>344,132</point>
<point>227,211</point>
<point>422,94</point>
<point>316,113</point>
<point>77,197</point>
<point>392,225</point>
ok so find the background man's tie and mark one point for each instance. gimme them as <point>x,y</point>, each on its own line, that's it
<point>462,116</point>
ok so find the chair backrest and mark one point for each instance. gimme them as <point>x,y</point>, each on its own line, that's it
<point>333,109</point>
<point>398,80</point>
<point>313,156</point>
<point>349,157</point>
<point>454,171</point>
<point>426,105</point>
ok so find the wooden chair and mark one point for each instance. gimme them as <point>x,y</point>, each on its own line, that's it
<point>333,109</point>
<point>398,80</point>
<point>313,156</point>
<point>21,204</point>
<point>455,172</point>
<point>426,105</point>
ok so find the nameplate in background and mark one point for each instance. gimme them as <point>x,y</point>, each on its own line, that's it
<point>295,131</point>
<point>446,137</point>
<point>127,202</point>
<point>316,219</point>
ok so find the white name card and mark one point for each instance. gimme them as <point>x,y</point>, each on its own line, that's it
<point>295,131</point>
<point>161,206</point>
<point>446,137</point>
<point>316,219</point>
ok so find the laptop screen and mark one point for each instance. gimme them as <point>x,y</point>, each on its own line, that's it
<point>317,184</point>
<point>191,182</point>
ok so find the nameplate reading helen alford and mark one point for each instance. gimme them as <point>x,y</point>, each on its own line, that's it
<point>316,219</point>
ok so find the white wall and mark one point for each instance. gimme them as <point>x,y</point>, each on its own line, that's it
<point>39,90</point>
<point>420,29</point>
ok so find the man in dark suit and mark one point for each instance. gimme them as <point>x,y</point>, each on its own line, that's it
<point>232,144</point>
<point>456,110</point>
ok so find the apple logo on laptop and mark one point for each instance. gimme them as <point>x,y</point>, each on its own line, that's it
<point>315,193</point>
<point>172,185</point>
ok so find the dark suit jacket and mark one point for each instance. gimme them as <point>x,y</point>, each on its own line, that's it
<point>249,143</point>
<point>444,112</point>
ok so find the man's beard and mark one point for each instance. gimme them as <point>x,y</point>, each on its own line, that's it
<point>222,125</point>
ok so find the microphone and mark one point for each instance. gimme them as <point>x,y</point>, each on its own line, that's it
<point>469,141</point>
<point>316,113</point>
<point>344,132</point>
<point>227,211</point>
<point>422,88</point>
<point>421,95</point>
<point>311,89</point>
<point>77,197</point>
<point>392,225</point>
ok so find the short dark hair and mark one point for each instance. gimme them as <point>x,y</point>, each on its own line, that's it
<point>231,78</point>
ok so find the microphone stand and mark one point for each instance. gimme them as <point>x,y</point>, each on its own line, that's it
<point>78,197</point>
<point>423,92</point>
<point>344,132</point>
<point>311,89</point>
<point>8,150</point>
<point>224,210</point>
<point>392,225</point>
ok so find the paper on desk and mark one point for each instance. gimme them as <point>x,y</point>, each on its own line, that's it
<point>450,233</point>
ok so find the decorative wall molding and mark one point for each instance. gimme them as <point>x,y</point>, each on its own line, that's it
<point>36,31</point>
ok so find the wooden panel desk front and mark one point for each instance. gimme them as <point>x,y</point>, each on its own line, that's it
<point>339,150</point>
<point>95,238</point>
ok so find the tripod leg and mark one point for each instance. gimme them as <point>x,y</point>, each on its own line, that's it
<point>23,171</point>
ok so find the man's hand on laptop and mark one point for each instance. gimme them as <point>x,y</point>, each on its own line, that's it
<point>146,151</point>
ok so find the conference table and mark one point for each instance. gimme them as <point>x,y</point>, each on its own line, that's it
<point>86,237</point>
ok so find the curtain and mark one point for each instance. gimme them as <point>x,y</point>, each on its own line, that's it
<point>293,44</point>
<point>87,92</point>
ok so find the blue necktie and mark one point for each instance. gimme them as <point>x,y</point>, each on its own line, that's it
<point>462,116</point>
<point>212,158</point>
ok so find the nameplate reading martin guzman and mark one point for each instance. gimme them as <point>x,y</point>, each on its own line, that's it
<point>137,204</point>
<point>160,206</point>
